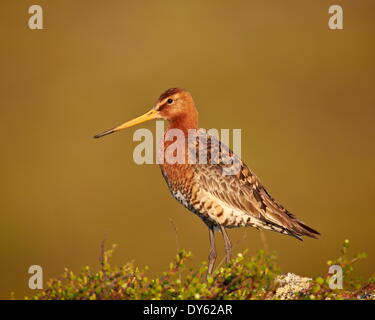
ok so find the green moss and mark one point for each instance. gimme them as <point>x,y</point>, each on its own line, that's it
<point>246,277</point>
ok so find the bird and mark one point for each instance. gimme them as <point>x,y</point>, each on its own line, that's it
<point>220,199</point>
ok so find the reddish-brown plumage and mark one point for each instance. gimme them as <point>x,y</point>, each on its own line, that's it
<point>220,200</point>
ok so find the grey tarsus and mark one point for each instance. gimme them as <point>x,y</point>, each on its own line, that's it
<point>212,253</point>
<point>227,244</point>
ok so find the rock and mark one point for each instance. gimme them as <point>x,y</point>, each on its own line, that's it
<point>289,284</point>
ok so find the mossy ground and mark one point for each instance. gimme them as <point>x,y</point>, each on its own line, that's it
<point>246,277</point>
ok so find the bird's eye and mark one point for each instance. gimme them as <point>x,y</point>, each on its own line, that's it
<point>170,101</point>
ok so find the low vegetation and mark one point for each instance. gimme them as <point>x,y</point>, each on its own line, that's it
<point>246,277</point>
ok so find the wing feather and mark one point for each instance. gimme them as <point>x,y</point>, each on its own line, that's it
<point>243,190</point>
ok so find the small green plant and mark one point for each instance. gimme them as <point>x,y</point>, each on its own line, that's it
<point>353,287</point>
<point>246,277</point>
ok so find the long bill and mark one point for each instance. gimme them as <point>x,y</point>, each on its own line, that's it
<point>152,114</point>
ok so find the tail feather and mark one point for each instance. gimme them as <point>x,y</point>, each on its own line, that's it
<point>292,227</point>
<point>303,230</point>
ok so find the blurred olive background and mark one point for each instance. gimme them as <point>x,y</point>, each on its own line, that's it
<point>302,94</point>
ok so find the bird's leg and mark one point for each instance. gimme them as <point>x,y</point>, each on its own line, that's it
<point>212,253</point>
<point>227,244</point>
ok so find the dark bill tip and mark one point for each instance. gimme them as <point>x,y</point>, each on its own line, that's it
<point>104,133</point>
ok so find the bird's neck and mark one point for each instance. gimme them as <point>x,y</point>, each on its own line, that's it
<point>184,122</point>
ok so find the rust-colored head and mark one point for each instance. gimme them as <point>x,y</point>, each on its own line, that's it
<point>175,105</point>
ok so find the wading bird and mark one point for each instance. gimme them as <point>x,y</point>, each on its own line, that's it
<point>220,200</point>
